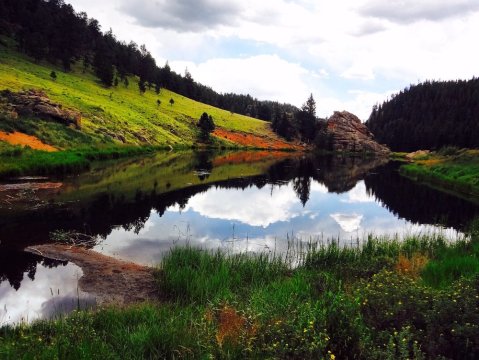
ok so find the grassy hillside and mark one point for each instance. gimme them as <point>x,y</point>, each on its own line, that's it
<point>118,111</point>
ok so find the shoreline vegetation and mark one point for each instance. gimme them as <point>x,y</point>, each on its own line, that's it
<point>18,161</point>
<point>449,169</point>
<point>390,298</point>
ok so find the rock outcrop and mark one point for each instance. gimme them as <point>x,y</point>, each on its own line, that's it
<point>36,103</point>
<point>346,133</point>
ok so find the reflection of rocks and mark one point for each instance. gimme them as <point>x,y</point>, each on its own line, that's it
<point>109,279</point>
<point>343,173</point>
<point>37,103</point>
<point>347,133</point>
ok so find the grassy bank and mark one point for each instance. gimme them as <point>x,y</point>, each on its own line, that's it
<point>19,161</point>
<point>389,299</point>
<point>449,169</point>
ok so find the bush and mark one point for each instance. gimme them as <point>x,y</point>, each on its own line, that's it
<point>449,151</point>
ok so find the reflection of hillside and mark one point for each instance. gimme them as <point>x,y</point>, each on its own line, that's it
<point>100,212</point>
<point>416,203</point>
<point>124,196</point>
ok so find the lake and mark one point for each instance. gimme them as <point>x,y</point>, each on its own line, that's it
<point>137,209</point>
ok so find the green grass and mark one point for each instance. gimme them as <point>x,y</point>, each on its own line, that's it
<point>117,110</point>
<point>236,306</point>
<point>455,171</point>
<point>17,161</point>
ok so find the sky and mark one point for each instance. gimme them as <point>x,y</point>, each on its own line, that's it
<point>350,54</point>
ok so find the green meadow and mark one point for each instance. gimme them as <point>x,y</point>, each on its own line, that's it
<point>118,110</point>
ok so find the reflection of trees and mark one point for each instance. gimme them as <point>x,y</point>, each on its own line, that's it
<point>417,203</point>
<point>302,182</point>
<point>203,164</point>
<point>14,264</point>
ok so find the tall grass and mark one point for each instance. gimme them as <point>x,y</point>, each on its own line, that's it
<point>192,275</point>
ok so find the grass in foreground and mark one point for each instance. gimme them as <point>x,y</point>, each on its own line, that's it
<point>389,299</point>
<point>450,169</point>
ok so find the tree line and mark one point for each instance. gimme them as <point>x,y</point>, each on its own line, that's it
<point>429,115</point>
<point>52,31</point>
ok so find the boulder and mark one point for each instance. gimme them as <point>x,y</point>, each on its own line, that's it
<point>36,103</point>
<point>346,133</point>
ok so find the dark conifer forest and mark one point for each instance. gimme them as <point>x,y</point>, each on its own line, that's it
<point>430,115</point>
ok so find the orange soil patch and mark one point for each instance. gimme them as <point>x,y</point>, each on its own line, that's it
<point>245,139</point>
<point>18,138</point>
<point>249,157</point>
<point>430,162</point>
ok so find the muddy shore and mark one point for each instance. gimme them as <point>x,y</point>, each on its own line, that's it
<point>110,280</point>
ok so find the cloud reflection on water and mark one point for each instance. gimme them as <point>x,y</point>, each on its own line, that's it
<point>259,219</point>
<point>54,291</point>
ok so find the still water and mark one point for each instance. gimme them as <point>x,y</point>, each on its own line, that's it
<point>139,208</point>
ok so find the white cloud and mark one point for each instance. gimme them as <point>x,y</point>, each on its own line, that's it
<point>408,11</point>
<point>34,299</point>
<point>348,222</point>
<point>250,206</point>
<point>358,194</point>
<point>267,77</point>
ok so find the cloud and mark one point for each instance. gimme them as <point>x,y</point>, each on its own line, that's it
<point>267,77</point>
<point>359,102</point>
<point>34,298</point>
<point>409,11</point>
<point>250,206</point>
<point>348,222</point>
<point>358,194</point>
<point>369,27</point>
<point>182,15</point>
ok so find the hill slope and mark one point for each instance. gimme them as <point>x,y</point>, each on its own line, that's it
<point>119,114</point>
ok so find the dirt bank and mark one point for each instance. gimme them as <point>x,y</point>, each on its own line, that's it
<point>112,281</point>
